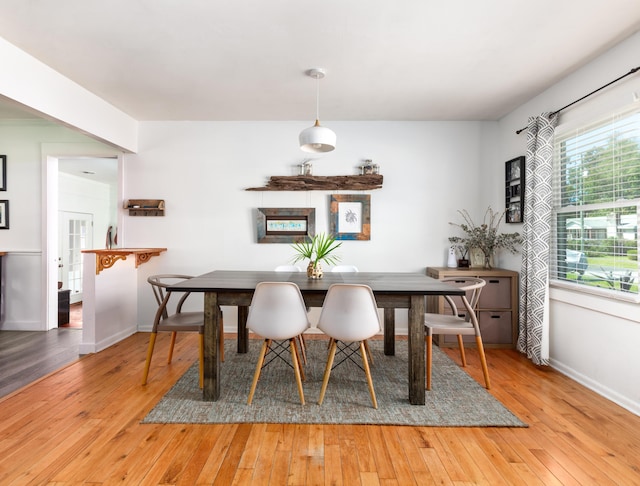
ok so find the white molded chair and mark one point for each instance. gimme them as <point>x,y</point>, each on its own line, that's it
<point>460,322</point>
<point>277,313</point>
<point>349,315</point>
<point>352,269</point>
<point>345,268</point>
<point>170,317</point>
<point>301,341</point>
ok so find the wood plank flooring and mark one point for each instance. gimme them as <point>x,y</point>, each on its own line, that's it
<point>27,356</point>
<point>81,425</point>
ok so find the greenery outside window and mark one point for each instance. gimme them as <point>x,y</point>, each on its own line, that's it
<point>596,200</point>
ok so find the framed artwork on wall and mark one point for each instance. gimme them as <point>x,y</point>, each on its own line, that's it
<point>350,216</point>
<point>3,172</point>
<point>4,214</point>
<point>285,225</point>
<point>514,190</point>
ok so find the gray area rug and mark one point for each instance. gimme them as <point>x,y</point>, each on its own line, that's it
<point>455,399</point>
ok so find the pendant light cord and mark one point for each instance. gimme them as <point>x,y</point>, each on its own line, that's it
<point>633,71</point>
<point>317,98</point>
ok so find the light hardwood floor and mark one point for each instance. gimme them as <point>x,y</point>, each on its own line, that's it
<point>81,425</point>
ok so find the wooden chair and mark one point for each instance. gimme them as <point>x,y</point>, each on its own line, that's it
<point>461,321</point>
<point>171,318</point>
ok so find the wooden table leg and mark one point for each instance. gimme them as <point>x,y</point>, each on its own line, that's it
<point>389,331</point>
<point>211,389</point>
<point>417,361</point>
<point>243,332</point>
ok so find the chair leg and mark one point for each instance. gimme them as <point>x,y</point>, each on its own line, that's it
<point>296,342</point>
<point>370,356</point>
<point>256,375</point>
<point>171,345</point>
<point>296,368</point>
<point>327,369</point>
<point>367,370</point>
<point>152,342</point>
<point>483,360</point>
<point>303,348</point>
<point>201,358</point>
<point>463,358</point>
<point>429,339</point>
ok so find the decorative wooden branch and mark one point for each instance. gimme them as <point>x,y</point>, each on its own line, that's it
<point>321,183</point>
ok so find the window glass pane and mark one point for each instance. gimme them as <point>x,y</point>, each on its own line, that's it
<point>596,199</point>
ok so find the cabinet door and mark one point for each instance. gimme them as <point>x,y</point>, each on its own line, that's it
<point>496,294</point>
<point>495,327</point>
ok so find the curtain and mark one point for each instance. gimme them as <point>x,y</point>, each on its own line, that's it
<point>533,338</point>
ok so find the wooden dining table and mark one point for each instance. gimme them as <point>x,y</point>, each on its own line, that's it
<point>392,291</point>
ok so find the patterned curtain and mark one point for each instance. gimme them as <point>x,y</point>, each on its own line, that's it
<point>533,339</point>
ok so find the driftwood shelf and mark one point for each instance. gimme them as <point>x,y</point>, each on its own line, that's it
<point>321,183</point>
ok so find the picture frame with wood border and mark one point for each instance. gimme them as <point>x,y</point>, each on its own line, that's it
<point>285,225</point>
<point>350,216</point>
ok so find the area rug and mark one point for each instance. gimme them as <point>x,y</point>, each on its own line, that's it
<point>455,399</point>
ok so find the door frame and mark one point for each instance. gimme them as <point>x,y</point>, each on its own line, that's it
<point>51,153</point>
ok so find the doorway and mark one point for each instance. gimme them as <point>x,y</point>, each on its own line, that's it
<point>89,163</point>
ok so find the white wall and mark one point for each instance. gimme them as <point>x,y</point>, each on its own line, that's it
<point>592,339</point>
<point>77,194</point>
<point>202,169</point>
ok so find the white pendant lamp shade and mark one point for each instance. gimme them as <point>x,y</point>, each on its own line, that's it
<point>317,138</point>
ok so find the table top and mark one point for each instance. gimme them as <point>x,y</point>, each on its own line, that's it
<point>380,282</point>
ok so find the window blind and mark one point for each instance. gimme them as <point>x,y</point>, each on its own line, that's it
<point>596,194</point>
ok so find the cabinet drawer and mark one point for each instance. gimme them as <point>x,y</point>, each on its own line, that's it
<point>496,294</point>
<point>495,327</point>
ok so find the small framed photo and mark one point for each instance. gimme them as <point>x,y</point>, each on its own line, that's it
<point>350,216</point>
<point>4,214</point>
<point>285,225</point>
<point>3,172</point>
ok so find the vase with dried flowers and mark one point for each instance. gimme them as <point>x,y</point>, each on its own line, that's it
<point>484,236</point>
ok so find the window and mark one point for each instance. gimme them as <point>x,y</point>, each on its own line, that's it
<point>596,200</point>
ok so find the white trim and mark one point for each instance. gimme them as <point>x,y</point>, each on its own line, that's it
<point>606,392</point>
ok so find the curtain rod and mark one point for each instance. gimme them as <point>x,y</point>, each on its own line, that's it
<point>518,132</point>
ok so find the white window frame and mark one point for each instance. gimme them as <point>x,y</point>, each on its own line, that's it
<point>557,272</point>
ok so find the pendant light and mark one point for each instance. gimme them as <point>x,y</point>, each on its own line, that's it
<point>317,138</point>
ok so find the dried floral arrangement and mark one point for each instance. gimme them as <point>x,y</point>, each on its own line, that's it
<point>484,236</point>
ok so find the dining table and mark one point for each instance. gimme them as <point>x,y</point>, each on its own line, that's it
<point>392,290</point>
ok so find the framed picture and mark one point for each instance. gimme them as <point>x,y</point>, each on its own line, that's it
<point>285,225</point>
<point>350,216</point>
<point>3,172</point>
<point>4,214</point>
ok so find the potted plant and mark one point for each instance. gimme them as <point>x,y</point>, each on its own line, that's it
<point>485,236</point>
<point>318,249</point>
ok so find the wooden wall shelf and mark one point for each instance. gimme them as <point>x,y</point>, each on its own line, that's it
<point>145,207</point>
<point>321,183</point>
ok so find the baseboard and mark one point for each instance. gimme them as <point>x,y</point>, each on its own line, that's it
<point>89,348</point>
<point>606,392</point>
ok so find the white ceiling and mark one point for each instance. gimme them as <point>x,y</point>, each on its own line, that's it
<point>385,60</point>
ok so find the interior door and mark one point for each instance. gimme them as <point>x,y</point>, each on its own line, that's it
<point>76,230</point>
